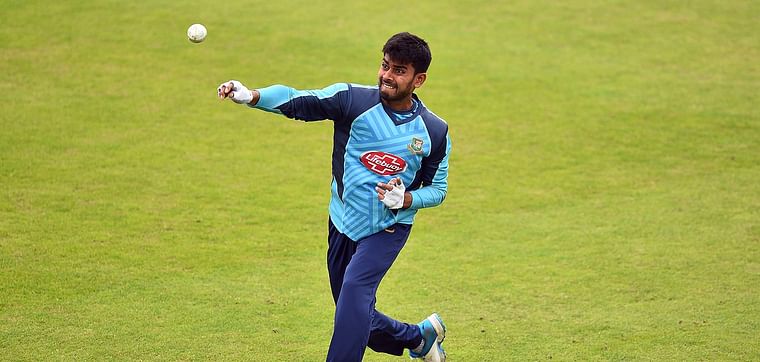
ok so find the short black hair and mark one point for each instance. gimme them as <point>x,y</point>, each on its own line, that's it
<point>409,49</point>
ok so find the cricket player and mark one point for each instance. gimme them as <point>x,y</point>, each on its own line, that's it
<point>390,159</point>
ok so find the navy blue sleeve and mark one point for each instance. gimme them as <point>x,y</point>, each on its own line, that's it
<point>306,105</point>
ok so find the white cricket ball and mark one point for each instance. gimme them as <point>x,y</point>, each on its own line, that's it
<point>196,33</point>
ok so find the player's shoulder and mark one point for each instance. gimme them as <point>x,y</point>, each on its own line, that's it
<point>433,121</point>
<point>334,89</point>
<point>363,97</point>
<point>432,117</point>
<point>363,90</point>
<point>437,128</point>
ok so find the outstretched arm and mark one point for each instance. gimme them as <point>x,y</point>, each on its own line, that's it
<point>308,105</point>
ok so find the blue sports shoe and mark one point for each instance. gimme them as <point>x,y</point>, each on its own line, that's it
<point>433,333</point>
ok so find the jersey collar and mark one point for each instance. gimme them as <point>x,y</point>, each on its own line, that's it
<point>404,117</point>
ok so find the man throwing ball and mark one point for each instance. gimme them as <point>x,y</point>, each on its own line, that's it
<point>390,159</point>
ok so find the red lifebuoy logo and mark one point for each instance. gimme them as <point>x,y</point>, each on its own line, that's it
<point>382,163</point>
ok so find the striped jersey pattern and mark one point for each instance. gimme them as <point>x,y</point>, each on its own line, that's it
<point>370,144</point>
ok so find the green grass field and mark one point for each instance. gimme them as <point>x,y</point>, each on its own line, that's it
<point>604,197</point>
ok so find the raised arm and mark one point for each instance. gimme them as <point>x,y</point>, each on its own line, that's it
<point>307,105</point>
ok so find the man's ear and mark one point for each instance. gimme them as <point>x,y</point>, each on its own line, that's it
<point>419,79</point>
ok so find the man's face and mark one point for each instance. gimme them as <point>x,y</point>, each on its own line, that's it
<point>397,81</point>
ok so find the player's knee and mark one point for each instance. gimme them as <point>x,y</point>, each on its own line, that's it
<point>351,286</point>
<point>355,288</point>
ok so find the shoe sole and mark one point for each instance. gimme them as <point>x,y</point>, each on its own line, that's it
<point>435,355</point>
<point>440,330</point>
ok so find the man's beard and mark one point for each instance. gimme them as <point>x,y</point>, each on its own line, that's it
<point>399,94</point>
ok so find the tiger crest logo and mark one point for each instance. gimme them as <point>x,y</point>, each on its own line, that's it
<point>416,146</point>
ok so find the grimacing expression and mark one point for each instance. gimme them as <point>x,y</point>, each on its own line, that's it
<point>396,81</point>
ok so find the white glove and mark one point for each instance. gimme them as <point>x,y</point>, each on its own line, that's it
<point>394,198</point>
<point>235,91</point>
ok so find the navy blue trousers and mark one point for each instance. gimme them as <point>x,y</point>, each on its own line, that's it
<point>356,269</point>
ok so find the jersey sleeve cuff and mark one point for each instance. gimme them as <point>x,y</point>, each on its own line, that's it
<point>416,200</point>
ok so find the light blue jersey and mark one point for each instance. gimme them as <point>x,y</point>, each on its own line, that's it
<point>371,144</point>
